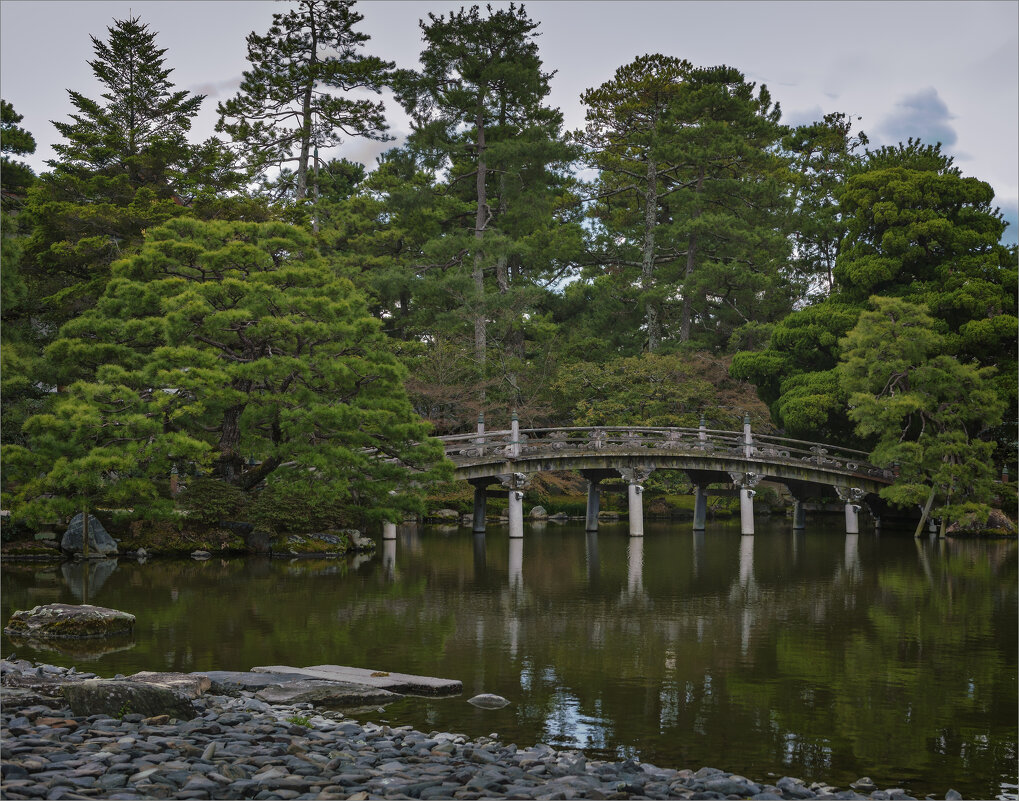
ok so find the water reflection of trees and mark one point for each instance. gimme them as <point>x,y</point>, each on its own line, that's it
<point>829,655</point>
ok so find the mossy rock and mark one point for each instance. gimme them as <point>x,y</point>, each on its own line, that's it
<point>54,621</point>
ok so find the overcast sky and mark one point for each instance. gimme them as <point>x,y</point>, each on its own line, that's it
<point>941,71</point>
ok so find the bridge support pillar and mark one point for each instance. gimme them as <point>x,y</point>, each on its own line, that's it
<point>480,508</point>
<point>388,530</point>
<point>635,477</point>
<point>515,483</point>
<point>516,514</point>
<point>593,505</point>
<point>700,507</point>
<point>799,515</point>
<point>746,483</point>
<point>851,496</point>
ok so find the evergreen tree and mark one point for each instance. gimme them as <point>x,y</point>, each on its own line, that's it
<point>479,119</point>
<point>19,338</point>
<point>263,354</point>
<point>688,198</point>
<point>822,155</point>
<point>15,176</point>
<point>286,108</point>
<point>928,412</point>
<point>123,167</point>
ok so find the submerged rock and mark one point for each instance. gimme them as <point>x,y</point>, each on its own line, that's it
<point>488,701</point>
<point>100,543</point>
<point>67,620</point>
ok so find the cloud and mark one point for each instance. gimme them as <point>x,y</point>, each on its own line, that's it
<point>803,116</point>
<point>923,115</point>
<point>213,89</point>
<point>1010,211</point>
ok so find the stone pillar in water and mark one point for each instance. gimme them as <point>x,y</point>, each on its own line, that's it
<point>480,507</point>
<point>635,477</point>
<point>388,530</point>
<point>746,483</point>
<point>851,496</point>
<point>593,504</point>
<point>516,483</point>
<point>700,507</point>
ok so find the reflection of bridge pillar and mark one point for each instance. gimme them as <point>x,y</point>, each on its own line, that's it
<point>480,506</point>
<point>852,497</point>
<point>746,560</point>
<point>593,504</point>
<point>516,565</point>
<point>799,515</point>
<point>700,507</point>
<point>635,566</point>
<point>480,560</point>
<point>746,482</point>
<point>698,552</point>
<point>389,558</point>
<point>593,562</point>
<point>852,553</point>
<point>388,530</point>
<point>635,477</point>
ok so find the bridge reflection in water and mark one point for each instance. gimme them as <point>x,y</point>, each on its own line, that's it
<point>501,463</point>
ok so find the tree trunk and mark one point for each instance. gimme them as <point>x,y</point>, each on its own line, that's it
<point>691,253</point>
<point>480,223</point>
<point>229,440</point>
<point>648,255</point>
<point>306,116</point>
<point>923,517</point>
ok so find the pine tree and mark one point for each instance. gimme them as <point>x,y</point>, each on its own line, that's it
<point>688,197</point>
<point>480,119</point>
<point>928,412</point>
<point>125,165</point>
<point>286,108</point>
<point>261,353</point>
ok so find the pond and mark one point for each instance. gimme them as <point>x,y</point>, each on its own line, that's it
<point>816,654</point>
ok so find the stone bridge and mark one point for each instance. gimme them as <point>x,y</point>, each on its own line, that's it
<point>708,456</point>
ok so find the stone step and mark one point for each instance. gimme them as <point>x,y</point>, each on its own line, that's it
<point>402,683</point>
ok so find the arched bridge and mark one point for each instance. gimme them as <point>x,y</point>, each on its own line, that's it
<point>708,456</point>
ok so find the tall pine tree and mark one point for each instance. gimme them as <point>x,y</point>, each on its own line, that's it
<point>288,107</point>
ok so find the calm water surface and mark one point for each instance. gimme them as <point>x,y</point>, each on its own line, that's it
<point>818,655</point>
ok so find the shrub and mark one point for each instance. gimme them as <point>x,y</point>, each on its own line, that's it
<point>208,500</point>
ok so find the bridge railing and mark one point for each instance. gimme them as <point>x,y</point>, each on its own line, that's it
<point>461,448</point>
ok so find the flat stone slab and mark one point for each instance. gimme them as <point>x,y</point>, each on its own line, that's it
<point>59,621</point>
<point>402,683</point>
<point>232,682</point>
<point>119,697</point>
<point>322,691</point>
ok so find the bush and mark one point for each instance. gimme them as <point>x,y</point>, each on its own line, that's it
<point>285,508</point>
<point>208,500</point>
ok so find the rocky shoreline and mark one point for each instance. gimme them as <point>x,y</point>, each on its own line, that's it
<point>239,747</point>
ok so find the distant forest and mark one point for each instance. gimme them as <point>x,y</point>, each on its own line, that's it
<point>267,323</point>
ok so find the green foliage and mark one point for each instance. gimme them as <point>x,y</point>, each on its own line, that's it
<point>655,390</point>
<point>481,124</point>
<point>292,505</point>
<point>265,356</point>
<point>209,501</point>
<point>288,103</point>
<point>98,444</point>
<point>687,197</point>
<point>15,176</point>
<point>926,409</point>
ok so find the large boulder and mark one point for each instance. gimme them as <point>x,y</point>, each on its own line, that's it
<point>68,620</point>
<point>116,698</point>
<point>539,513</point>
<point>100,543</point>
